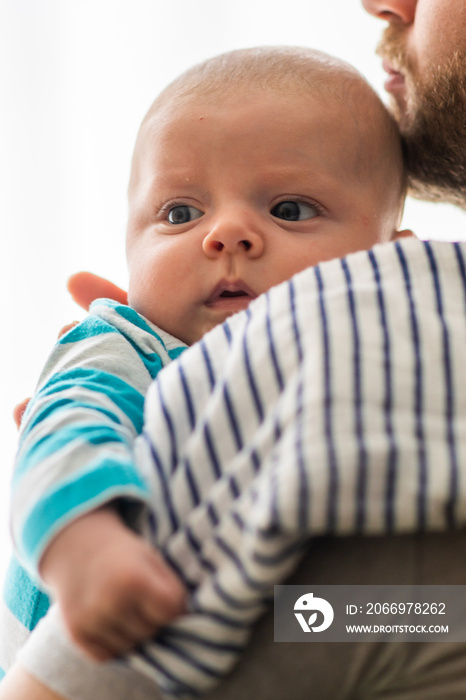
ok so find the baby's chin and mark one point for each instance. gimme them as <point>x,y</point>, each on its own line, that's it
<point>193,335</point>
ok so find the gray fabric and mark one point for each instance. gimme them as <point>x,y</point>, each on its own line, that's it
<point>361,671</point>
<point>50,657</point>
<point>273,671</point>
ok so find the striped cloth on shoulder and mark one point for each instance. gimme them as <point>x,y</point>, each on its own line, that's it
<point>335,405</point>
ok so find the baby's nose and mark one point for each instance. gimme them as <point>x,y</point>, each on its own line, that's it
<point>233,235</point>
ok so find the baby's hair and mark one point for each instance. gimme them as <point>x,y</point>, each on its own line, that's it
<point>278,69</point>
<point>298,71</point>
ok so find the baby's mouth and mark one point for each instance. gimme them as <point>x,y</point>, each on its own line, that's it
<point>231,296</point>
<point>228,295</point>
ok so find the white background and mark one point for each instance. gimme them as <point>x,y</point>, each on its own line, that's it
<point>76,77</point>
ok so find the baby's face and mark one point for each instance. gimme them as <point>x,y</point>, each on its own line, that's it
<point>233,197</point>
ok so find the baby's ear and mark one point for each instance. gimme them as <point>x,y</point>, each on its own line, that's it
<point>406,233</point>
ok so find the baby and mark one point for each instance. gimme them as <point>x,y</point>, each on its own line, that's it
<point>247,169</point>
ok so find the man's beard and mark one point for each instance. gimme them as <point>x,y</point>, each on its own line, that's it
<point>432,123</point>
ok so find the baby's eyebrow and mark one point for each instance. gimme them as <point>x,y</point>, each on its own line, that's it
<point>284,172</point>
<point>179,177</point>
<point>302,176</point>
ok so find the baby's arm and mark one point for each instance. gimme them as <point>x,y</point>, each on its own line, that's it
<point>76,444</point>
<point>114,589</point>
<point>19,685</point>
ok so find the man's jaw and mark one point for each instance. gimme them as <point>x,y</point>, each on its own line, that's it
<point>429,108</point>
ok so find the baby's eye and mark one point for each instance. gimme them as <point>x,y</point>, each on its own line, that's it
<point>182,214</point>
<point>294,211</point>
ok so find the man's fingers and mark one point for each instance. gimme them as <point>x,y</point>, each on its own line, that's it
<point>67,328</point>
<point>18,412</point>
<point>85,287</point>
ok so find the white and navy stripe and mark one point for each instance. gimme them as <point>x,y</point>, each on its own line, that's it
<point>335,405</point>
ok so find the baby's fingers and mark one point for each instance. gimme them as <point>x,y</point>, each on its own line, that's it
<point>165,599</point>
<point>139,628</point>
<point>104,644</point>
<point>115,639</point>
<point>167,586</point>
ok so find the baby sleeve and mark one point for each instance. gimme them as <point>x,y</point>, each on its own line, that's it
<point>76,443</point>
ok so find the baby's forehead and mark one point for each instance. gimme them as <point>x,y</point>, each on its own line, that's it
<point>342,97</point>
<point>336,91</point>
<point>333,105</point>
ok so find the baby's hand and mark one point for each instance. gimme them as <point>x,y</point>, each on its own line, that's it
<point>115,591</point>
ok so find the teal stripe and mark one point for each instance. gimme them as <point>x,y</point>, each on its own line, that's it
<point>54,442</point>
<point>2,673</point>
<point>137,320</point>
<point>106,480</point>
<point>123,395</point>
<point>64,405</point>
<point>90,327</point>
<point>23,598</point>
<point>176,352</point>
<point>130,315</point>
<point>151,361</point>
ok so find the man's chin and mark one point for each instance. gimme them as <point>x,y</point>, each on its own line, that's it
<point>430,108</point>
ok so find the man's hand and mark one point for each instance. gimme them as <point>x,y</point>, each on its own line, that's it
<point>115,591</point>
<point>18,412</point>
<point>84,287</point>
